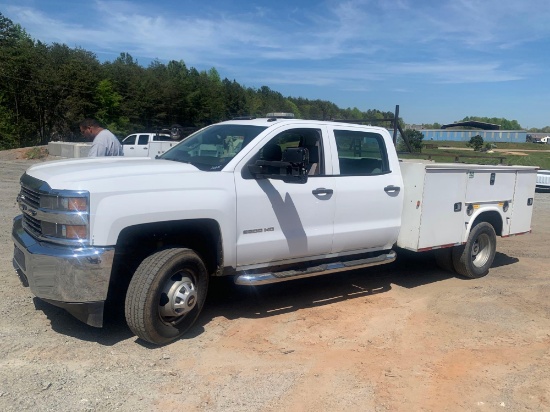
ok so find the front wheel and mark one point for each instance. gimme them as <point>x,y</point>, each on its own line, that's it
<point>474,259</point>
<point>166,295</point>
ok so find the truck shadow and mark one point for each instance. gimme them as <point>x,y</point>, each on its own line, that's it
<point>114,329</point>
<point>232,301</point>
<point>225,299</point>
<point>502,259</point>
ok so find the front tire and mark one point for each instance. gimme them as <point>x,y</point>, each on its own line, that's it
<point>474,259</point>
<point>166,295</point>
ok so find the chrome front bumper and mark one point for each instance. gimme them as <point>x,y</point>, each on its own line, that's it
<point>76,279</point>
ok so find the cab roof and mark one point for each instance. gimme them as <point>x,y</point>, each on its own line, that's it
<point>274,121</point>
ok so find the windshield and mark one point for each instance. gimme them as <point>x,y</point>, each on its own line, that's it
<point>213,147</point>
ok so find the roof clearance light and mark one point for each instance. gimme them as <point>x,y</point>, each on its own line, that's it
<point>280,115</point>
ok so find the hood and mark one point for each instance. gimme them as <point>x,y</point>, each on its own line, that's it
<point>83,174</point>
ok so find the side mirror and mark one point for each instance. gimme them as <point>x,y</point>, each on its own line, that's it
<point>291,169</point>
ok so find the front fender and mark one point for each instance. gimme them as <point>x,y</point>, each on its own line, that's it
<point>111,213</point>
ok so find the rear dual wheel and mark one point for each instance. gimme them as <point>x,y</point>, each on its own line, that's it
<point>473,259</point>
<point>166,295</point>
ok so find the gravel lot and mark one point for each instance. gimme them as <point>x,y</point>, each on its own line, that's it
<point>401,337</point>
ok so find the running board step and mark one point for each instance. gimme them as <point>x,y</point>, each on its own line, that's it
<point>264,278</point>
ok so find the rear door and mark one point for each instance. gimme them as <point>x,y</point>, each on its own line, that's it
<point>142,147</point>
<point>368,189</point>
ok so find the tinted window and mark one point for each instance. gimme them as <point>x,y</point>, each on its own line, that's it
<point>307,138</point>
<point>130,139</point>
<point>143,139</point>
<point>162,138</point>
<point>361,153</point>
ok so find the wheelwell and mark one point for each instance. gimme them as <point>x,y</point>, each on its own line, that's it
<point>135,243</point>
<point>493,218</point>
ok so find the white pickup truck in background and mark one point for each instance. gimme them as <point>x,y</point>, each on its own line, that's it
<point>262,200</point>
<point>147,144</point>
<point>543,179</point>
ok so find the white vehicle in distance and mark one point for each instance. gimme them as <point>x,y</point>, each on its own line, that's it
<point>147,144</point>
<point>543,179</point>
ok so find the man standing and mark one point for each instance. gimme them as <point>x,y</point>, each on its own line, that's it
<point>104,142</point>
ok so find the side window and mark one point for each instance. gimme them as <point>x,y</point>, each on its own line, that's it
<point>361,153</point>
<point>130,140</point>
<point>307,138</point>
<point>143,139</point>
<point>162,138</point>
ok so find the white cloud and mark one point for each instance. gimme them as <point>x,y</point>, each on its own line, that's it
<point>458,72</point>
<point>337,42</point>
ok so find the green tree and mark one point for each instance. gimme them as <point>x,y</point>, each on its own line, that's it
<point>8,137</point>
<point>476,142</point>
<point>108,106</point>
<point>291,107</point>
<point>431,126</point>
<point>414,137</point>
<point>128,79</point>
<point>504,124</point>
<point>235,99</point>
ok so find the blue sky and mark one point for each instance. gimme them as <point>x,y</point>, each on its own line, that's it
<point>440,60</point>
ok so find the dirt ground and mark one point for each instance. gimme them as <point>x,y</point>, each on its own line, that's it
<point>400,337</point>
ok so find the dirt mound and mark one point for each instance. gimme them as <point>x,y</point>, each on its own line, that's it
<point>516,153</point>
<point>25,153</point>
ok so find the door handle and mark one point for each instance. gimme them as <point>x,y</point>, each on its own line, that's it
<point>392,188</point>
<point>322,191</point>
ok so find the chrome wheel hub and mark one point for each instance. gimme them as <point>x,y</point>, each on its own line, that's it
<point>178,298</point>
<point>481,250</point>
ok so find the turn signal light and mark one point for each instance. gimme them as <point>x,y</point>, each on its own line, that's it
<point>74,231</point>
<point>77,204</point>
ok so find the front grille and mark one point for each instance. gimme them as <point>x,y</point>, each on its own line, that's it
<point>30,197</point>
<point>44,216</point>
<point>32,225</point>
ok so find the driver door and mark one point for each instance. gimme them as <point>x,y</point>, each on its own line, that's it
<point>279,221</point>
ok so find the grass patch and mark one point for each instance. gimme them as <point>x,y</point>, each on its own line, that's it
<point>449,152</point>
<point>36,153</point>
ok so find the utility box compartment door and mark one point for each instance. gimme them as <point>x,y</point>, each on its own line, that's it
<point>433,209</point>
<point>490,185</point>
<point>442,221</point>
<point>522,204</point>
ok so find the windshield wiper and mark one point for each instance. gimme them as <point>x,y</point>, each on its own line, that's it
<point>173,159</point>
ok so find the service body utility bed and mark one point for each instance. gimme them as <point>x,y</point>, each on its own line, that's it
<point>441,200</point>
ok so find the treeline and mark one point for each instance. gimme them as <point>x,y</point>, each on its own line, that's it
<point>46,89</point>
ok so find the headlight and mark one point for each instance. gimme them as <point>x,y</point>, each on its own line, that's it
<point>65,216</point>
<point>60,203</point>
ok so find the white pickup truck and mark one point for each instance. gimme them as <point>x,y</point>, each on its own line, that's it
<point>543,179</point>
<point>147,144</point>
<point>262,200</point>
